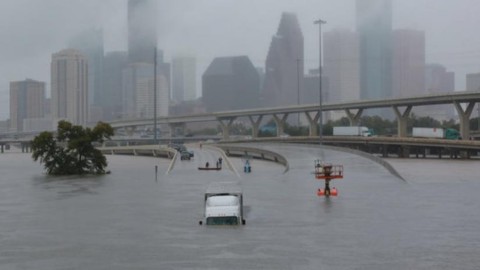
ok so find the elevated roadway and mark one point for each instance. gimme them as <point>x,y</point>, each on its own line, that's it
<point>463,103</point>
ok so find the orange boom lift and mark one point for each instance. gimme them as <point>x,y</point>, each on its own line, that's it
<point>327,172</point>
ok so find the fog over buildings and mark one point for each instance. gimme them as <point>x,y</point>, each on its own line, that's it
<point>33,30</point>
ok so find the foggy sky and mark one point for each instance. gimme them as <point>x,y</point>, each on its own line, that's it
<point>31,30</point>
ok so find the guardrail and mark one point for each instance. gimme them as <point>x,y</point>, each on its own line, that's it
<point>139,150</point>
<point>255,153</point>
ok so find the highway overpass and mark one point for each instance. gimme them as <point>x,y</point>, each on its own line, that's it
<point>463,102</point>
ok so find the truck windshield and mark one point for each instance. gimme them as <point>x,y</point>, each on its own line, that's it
<point>222,221</point>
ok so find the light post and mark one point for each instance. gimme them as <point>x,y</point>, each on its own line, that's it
<point>155,141</point>
<point>320,118</point>
<point>298,90</point>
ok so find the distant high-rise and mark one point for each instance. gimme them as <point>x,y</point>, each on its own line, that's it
<point>438,81</point>
<point>284,66</point>
<point>374,27</point>
<point>142,30</point>
<point>230,83</point>
<point>114,63</point>
<point>69,82</point>
<point>27,99</point>
<point>408,63</point>
<point>138,91</point>
<point>90,44</point>
<point>341,62</point>
<point>184,79</point>
<point>473,82</point>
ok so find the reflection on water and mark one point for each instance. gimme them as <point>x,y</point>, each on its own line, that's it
<point>68,186</point>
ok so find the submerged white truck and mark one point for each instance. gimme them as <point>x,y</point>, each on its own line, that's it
<point>223,204</point>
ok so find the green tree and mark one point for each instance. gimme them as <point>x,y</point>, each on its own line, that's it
<point>72,151</point>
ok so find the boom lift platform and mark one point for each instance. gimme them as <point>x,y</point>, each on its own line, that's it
<point>327,172</point>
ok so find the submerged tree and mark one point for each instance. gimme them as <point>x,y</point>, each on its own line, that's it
<point>72,151</point>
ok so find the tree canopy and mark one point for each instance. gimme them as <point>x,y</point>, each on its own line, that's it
<point>71,151</point>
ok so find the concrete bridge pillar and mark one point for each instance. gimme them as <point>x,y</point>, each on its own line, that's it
<point>354,118</point>
<point>2,146</point>
<point>280,122</point>
<point>402,119</point>
<point>464,116</point>
<point>313,121</point>
<point>226,123</point>
<point>255,125</point>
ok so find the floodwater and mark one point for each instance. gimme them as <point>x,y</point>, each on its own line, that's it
<point>134,219</point>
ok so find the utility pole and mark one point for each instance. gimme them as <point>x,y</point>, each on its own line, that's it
<point>298,90</point>
<point>155,141</point>
<point>320,118</point>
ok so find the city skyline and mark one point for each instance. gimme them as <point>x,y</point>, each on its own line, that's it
<point>457,50</point>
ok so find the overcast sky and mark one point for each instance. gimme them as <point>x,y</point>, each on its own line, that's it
<point>31,30</point>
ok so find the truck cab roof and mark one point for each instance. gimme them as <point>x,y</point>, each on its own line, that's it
<point>224,188</point>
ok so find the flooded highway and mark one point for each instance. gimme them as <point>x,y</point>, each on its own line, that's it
<point>134,219</point>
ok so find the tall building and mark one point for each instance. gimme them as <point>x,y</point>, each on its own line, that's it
<point>284,67</point>
<point>408,63</point>
<point>374,27</point>
<point>138,92</point>
<point>27,99</point>
<point>114,63</point>
<point>142,30</point>
<point>311,92</point>
<point>341,61</point>
<point>230,83</point>
<point>184,77</point>
<point>69,82</point>
<point>90,44</point>
<point>438,81</point>
<point>473,82</point>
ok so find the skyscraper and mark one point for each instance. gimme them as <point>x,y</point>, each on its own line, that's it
<point>27,99</point>
<point>438,81</point>
<point>184,79</point>
<point>374,27</point>
<point>142,30</point>
<point>473,82</point>
<point>230,83</point>
<point>408,63</point>
<point>138,97</point>
<point>341,62</point>
<point>114,63</point>
<point>90,44</point>
<point>69,82</point>
<point>284,66</point>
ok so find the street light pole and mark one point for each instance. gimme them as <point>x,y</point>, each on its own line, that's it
<point>298,90</point>
<point>155,141</point>
<point>320,118</point>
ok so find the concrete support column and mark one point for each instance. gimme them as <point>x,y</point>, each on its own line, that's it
<point>226,123</point>
<point>280,122</point>
<point>402,118</point>
<point>2,146</point>
<point>464,116</point>
<point>354,118</point>
<point>313,123</point>
<point>255,124</point>
<point>130,131</point>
